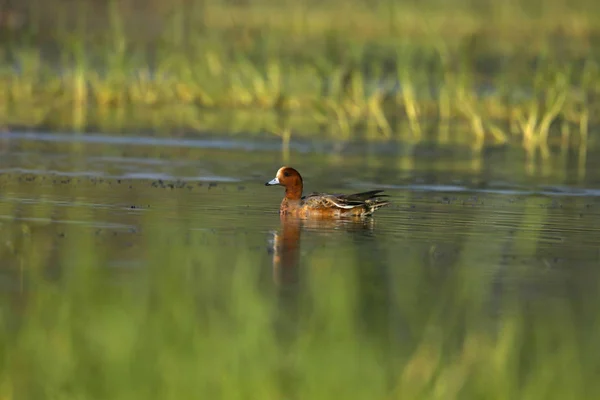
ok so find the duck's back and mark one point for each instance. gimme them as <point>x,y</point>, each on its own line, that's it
<point>363,203</point>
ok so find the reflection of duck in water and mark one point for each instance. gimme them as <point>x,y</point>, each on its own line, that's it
<point>322,205</point>
<point>286,242</point>
<point>286,251</point>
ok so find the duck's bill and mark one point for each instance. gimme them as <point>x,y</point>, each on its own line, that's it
<point>273,181</point>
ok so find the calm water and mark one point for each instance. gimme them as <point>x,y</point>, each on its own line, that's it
<point>481,278</point>
<point>529,225</point>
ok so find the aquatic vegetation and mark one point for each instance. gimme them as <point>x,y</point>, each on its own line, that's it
<point>504,75</point>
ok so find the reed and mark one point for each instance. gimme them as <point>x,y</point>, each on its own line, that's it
<point>335,64</point>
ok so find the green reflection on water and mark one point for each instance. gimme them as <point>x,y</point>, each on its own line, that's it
<point>121,289</point>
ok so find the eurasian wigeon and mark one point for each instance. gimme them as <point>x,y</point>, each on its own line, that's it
<point>322,204</point>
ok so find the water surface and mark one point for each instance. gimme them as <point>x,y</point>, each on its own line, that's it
<point>490,211</point>
<point>130,257</point>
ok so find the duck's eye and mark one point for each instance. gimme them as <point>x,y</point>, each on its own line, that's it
<point>286,173</point>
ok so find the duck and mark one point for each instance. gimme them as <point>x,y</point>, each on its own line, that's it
<point>323,205</point>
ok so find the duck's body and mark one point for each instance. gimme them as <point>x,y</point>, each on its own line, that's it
<point>324,205</point>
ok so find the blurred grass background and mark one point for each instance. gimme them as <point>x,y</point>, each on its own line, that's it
<point>479,72</point>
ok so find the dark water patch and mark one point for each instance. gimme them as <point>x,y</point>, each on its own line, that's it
<point>209,143</point>
<point>560,191</point>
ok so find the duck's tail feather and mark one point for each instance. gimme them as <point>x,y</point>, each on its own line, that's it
<point>374,205</point>
<point>374,201</point>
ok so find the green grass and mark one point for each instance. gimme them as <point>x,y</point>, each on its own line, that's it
<point>201,321</point>
<point>306,68</point>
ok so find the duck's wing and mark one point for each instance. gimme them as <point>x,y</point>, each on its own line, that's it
<point>370,200</point>
<point>320,200</point>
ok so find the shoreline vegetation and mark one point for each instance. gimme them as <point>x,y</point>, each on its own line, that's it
<point>478,72</point>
